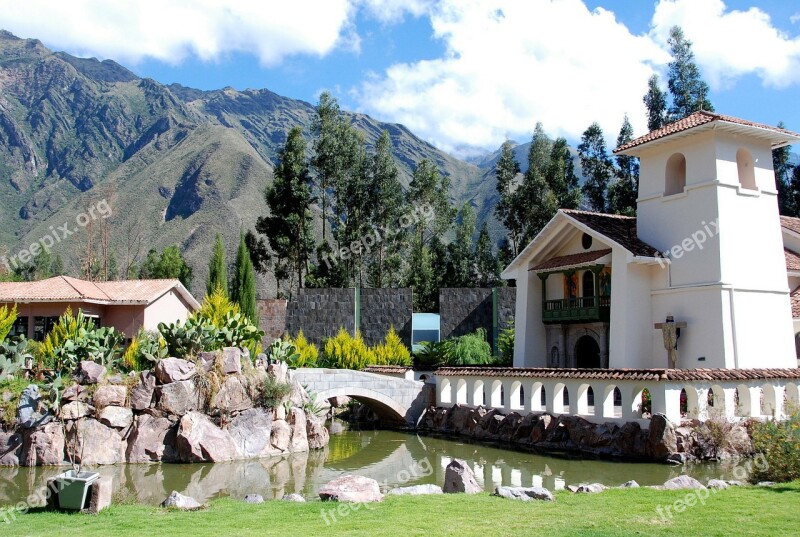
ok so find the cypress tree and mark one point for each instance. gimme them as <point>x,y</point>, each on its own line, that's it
<point>217,271</point>
<point>243,288</point>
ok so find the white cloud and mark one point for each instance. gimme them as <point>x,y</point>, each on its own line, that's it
<point>731,43</point>
<point>393,11</point>
<point>171,30</point>
<point>509,64</point>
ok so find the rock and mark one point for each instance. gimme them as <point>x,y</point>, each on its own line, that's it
<point>152,439</point>
<point>179,501</point>
<point>75,411</point>
<point>661,438</point>
<point>207,360</point>
<point>340,400</point>
<point>677,458</point>
<point>572,488</point>
<point>142,393</point>
<point>351,488</point>
<point>765,484</point>
<point>31,411</point>
<point>299,438</point>
<point>280,412</point>
<point>293,498</point>
<point>115,379</point>
<point>683,482</point>
<point>90,372</point>
<point>718,484</point>
<point>232,396</point>
<point>100,494</point>
<point>416,490</point>
<point>178,398</point>
<point>199,440</point>
<point>317,433</point>
<point>279,371</point>
<point>251,431</point>
<point>10,448</point>
<point>95,443</point>
<point>525,494</point>
<point>117,417</point>
<point>171,370</point>
<point>281,435</point>
<point>458,477</point>
<point>298,396</point>
<point>44,446</point>
<point>592,488</point>
<point>108,395</point>
<point>231,360</point>
<point>629,485</point>
<point>75,392</point>
<point>254,498</point>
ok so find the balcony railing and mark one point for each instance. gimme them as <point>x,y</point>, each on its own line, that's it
<point>579,309</point>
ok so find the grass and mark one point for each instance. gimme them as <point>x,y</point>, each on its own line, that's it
<point>10,392</point>
<point>735,511</point>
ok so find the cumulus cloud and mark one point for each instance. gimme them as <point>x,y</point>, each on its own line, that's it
<point>171,30</point>
<point>731,43</point>
<point>393,11</point>
<point>510,64</point>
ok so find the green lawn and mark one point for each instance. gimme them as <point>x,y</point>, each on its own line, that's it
<point>743,511</point>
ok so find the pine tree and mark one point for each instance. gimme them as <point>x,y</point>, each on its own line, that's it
<point>783,171</point>
<point>217,270</point>
<point>596,165</point>
<point>623,191</point>
<point>243,286</point>
<point>460,269</point>
<point>508,209</point>
<point>689,91</point>
<point>561,176</point>
<point>488,273</point>
<point>656,102</point>
<point>536,196</point>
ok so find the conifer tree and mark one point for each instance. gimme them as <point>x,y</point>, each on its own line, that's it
<point>596,165</point>
<point>686,86</point>
<point>217,270</point>
<point>243,287</point>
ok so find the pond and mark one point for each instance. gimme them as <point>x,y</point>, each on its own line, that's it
<point>392,458</point>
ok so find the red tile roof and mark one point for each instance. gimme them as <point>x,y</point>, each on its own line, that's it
<point>794,297</point>
<point>387,369</point>
<point>792,260</point>
<point>572,260</point>
<point>67,289</point>
<point>695,120</point>
<point>618,228</point>
<point>791,223</point>
<point>659,375</point>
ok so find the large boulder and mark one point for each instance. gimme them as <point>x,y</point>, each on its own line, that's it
<point>661,438</point>
<point>251,431</point>
<point>10,448</point>
<point>683,482</point>
<point>524,494</point>
<point>95,443</point>
<point>458,477</point>
<point>108,395</point>
<point>279,371</point>
<point>590,488</point>
<point>232,395</point>
<point>117,417</point>
<point>178,398</point>
<point>199,440</point>
<point>31,411</point>
<point>231,360</point>
<point>416,490</point>
<point>44,446</point>
<point>299,439</point>
<point>152,439</point>
<point>281,435</point>
<point>181,502</point>
<point>75,410</point>
<point>351,488</point>
<point>90,372</point>
<point>142,392</point>
<point>317,433</point>
<point>171,370</point>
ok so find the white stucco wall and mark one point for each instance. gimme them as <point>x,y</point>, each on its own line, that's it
<point>169,308</point>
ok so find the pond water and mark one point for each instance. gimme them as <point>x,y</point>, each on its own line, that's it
<point>392,458</point>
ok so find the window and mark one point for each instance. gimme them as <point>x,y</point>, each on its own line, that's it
<point>42,326</point>
<point>675,177</point>
<point>588,288</point>
<point>554,357</point>
<point>586,241</point>
<point>747,174</point>
<point>19,328</point>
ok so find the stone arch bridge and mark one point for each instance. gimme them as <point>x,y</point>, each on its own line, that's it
<point>393,399</point>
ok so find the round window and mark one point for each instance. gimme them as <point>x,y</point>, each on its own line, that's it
<point>586,241</point>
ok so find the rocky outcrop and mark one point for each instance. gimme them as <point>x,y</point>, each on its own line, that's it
<point>351,488</point>
<point>178,398</point>
<point>232,396</point>
<point>152,439</point>
<point>95,443</point>
<point>458,477</point>
<point>44,446</point>
<point>199,440</point>
<point>251,431</point>
<point>171,370</point>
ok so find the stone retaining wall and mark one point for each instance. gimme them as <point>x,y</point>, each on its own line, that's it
<point>464,310</point>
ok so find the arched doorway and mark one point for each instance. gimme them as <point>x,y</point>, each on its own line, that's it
<point>587,353</point>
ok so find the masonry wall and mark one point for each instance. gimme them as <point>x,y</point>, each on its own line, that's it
<point>271,319</point>
<point>382,309</point>
<point>464,310</point>
<point>321,312</point>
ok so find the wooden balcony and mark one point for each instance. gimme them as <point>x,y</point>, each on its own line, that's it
<point>574,310</point>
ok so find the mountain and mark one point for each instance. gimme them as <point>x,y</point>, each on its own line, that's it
<point>176,165</point>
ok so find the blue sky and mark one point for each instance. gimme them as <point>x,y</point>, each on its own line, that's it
<point>462,74</point>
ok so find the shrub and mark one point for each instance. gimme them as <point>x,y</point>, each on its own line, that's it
<point>432,353</point>
<point>282,350</point>
<point>7,319</point>
<point>232,327</point>
<point>779,443</point>
<point>10,391</point>
<point>216,306</point>
<point>273,392</point>
<point>187,339</point>
<point>505,346</point>
<point>144,351</point>
<point>392,351</point>
<point>75,338</point>
<point>469,349</point>
<point>344,351</point>
<point>14,353</point>
<point>307,353</point>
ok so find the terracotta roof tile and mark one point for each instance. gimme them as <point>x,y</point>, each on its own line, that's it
<point>794,297</point>
<point>697,119</point>
<point>386,369</point>
<point>791,223</point>
<point>792,260</point>
<point>658,375</point>
<point>618,228</point>
<point>66,289</point>
<point>572,260</point>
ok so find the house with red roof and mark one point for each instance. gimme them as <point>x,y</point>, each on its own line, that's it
<point>698,279</point>
<point>127,305</point>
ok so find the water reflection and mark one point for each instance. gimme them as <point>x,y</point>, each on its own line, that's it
<point>391,458</point>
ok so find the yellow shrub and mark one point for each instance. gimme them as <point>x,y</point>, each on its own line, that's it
<point>7,320</point>
<point>308,352</point>
<point>392,351</point>
<point>130,359</point>
<point>215,307</point>
<point>344,351</point>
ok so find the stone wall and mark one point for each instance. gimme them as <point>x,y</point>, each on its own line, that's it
<point>321,312</point>
<point>382,309</point>
<point>464,310</point>
<point>271,319</point>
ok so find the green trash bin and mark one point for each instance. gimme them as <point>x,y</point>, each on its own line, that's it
<point>72,488</point>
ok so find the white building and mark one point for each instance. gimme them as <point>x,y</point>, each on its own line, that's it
<point>706,247</point>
